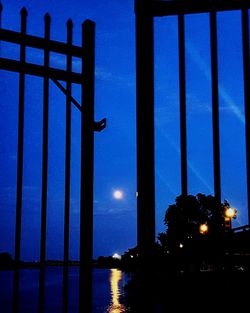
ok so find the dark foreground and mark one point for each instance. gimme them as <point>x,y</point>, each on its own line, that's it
<point>149,290</point>
<point>189,292</point>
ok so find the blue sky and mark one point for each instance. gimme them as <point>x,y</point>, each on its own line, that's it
<point>115,148</point>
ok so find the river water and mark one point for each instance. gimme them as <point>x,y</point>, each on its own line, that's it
<point>107,291</point>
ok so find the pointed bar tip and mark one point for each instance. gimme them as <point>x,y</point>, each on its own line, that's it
<point>47,17</point>
<point>88,23</point>
<point>24,11</point>
<point>69,23</point>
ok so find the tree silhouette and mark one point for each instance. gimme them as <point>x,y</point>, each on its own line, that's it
<point>183,220</point>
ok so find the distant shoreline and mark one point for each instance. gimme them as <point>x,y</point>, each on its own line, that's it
<point>50,263</point>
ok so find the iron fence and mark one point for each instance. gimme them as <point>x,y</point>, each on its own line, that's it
<point>85,79</point>
<point>145,12</point>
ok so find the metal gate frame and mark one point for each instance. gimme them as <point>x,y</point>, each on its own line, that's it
<point>86,79</point>
<point>145,11</point>
<point>86,53</point>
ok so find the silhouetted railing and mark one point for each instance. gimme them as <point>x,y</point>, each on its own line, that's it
<point>145,11</point>
<point>86,53</point>
<point>241,228</point>
<point>47,72</point>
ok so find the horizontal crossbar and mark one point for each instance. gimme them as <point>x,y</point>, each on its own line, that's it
<point>40,43</point>
<point>38,70</point>
<point>175,7</point>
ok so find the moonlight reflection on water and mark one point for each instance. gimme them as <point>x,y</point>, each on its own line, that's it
<point>108,294</point>
<point>115,306</point>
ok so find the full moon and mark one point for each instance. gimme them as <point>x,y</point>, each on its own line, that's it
<point>118,194</point>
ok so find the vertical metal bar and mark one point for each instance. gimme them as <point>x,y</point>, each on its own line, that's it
<point>45,145</point>
<point>215,105</point>
<point>182,87</point>
<point>87,142</point>
<point>65,297</point>
<point>47,21</point>
<point>15,298</point>
<point>246,63</point>
<point>145,126</point>
<point>68,146</point>
<point>41,296</point>
<point>19,189</point>
<point>1,9</point>
<point>87,166</point>
<point>67,172</point>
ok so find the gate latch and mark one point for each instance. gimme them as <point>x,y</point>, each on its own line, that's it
<point>99,126</point>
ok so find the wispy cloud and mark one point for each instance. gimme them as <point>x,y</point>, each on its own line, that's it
<point>109,76</point>
<point>205,69</point>
<point>191,166</point>
<point>168,111</point>
<point>164,181</point>
<point>112,211</point>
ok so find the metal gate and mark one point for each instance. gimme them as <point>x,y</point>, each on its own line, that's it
<point>86,54</point>
<point>145,11</point>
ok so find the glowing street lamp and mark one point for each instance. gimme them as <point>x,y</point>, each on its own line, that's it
<point>229,214</point>
<point>203,229</point>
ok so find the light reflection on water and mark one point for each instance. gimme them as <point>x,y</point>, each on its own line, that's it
<point>115,279</point>
<point>108,294</point>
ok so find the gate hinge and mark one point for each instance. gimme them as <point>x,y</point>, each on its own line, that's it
<point>99,126</point>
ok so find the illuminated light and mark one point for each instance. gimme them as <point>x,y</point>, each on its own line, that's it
<point>115,306</point>
<point>230,213</point>
<point>118,194</point>
<point>227,223</point>
<point>203,228</point>
<point>116,256</point>
<point>181,245</point>
<point>115,277</point>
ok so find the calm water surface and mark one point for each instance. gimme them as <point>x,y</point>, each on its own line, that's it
<point>108,294</point>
